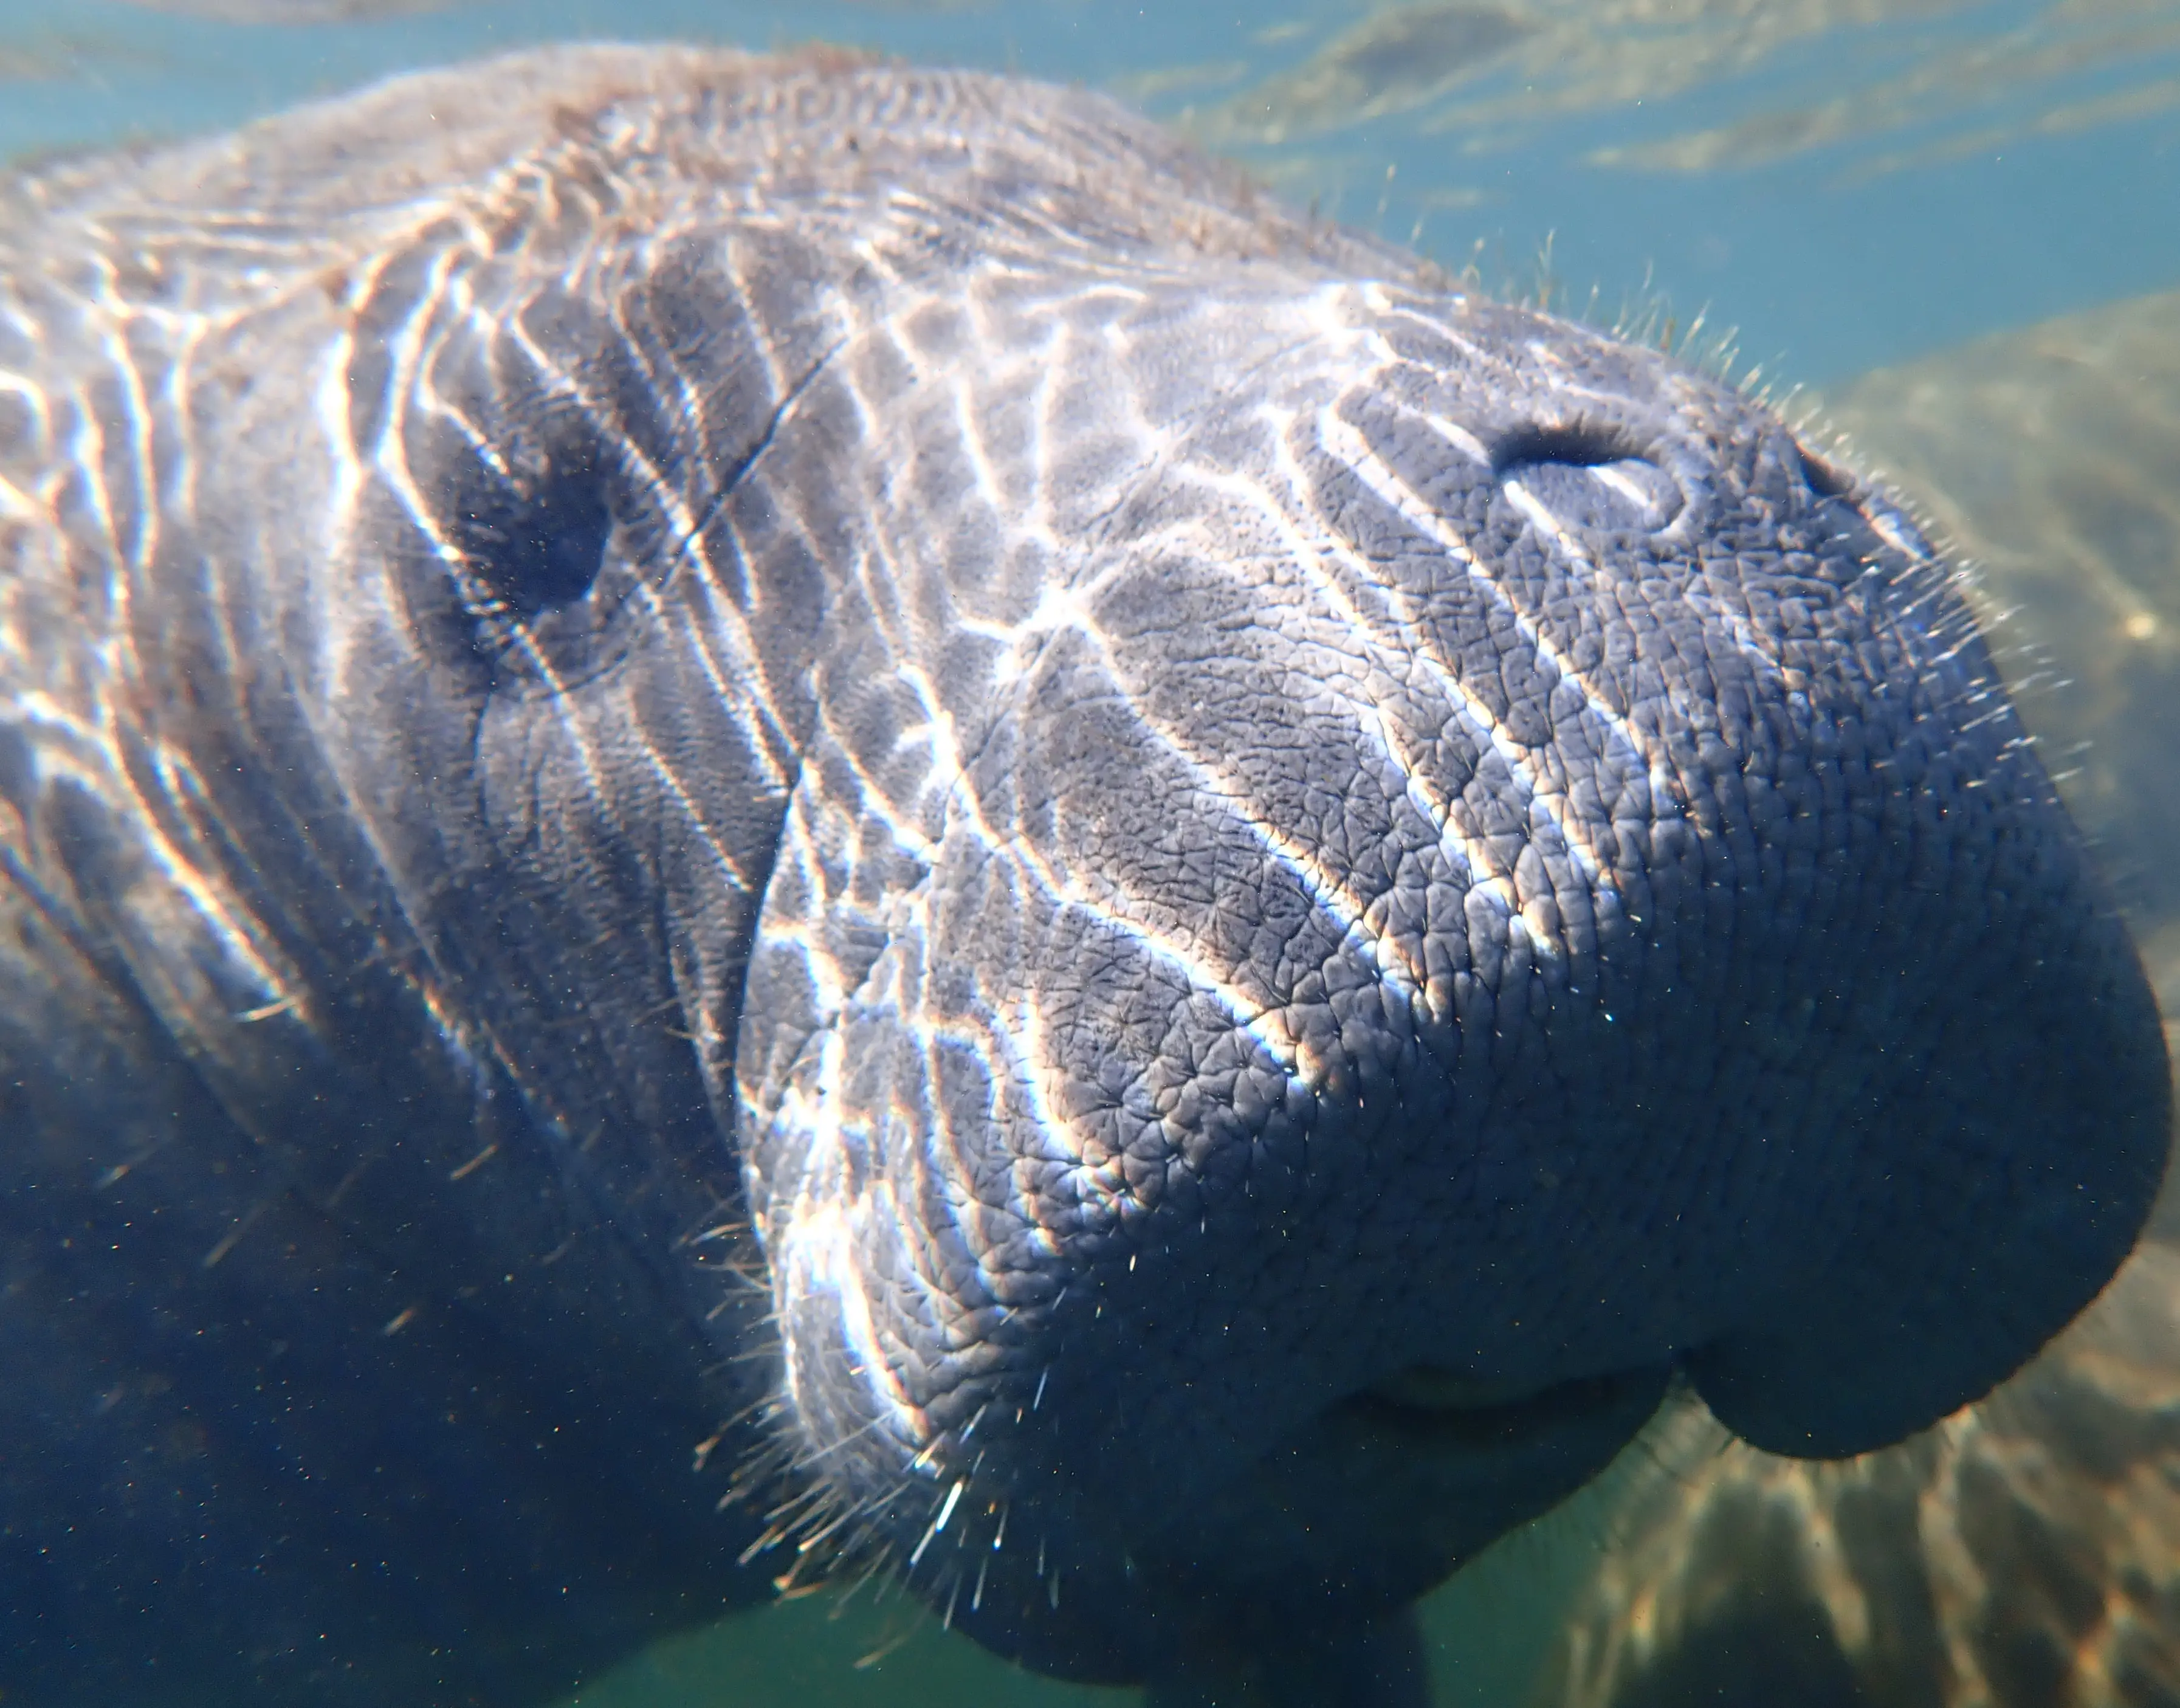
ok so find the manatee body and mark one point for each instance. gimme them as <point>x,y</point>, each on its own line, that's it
<point>760,816</point>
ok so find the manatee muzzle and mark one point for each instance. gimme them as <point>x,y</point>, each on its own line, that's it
<point>1490,880</point>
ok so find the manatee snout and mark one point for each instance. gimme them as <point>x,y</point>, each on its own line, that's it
<point>1488,881</point>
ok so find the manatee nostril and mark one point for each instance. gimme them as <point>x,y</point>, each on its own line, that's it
<point>1628,494</point>
<point>1828,483</point>
<point>1826,480</point>
<point>1580,445</point>
<point>1586,475</point>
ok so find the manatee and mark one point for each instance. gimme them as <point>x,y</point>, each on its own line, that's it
<point>771,816</point>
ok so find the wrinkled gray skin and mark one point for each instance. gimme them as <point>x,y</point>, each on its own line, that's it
<point>854,766</point>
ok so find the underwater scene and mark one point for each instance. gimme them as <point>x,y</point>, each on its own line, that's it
<point>1942,239</point>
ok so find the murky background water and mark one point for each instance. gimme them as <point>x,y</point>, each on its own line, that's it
<point>1951,224</point>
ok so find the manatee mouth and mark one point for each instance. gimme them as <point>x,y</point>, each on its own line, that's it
<point>1435,1408</point>
<point>1389,1490</point>
<point>1366,1505</point>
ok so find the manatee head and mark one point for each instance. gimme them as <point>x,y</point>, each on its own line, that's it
<point>1298,890</point>
<point>1490,881</point>
<point>1483,882</point>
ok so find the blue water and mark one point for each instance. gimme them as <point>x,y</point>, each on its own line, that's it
<point>1849,185</point>
<point>2030,163</point>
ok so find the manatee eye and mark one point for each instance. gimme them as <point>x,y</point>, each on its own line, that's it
<point>532,532</point>
<point>544,547</point>
<point>1586,477</point>
<point>549,543</point>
